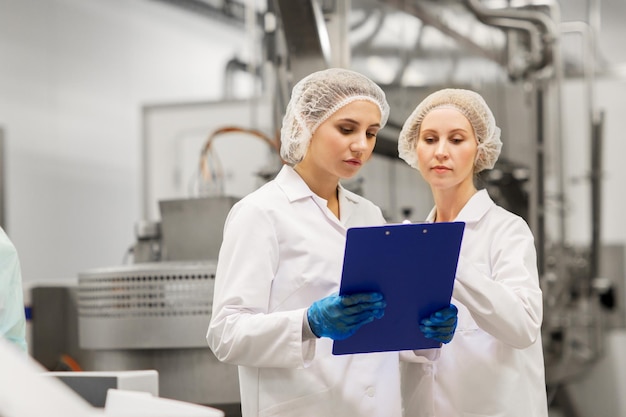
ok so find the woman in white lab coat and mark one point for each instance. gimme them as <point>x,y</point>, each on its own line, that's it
<point>12,317</point>
<point>494,366</point>
<point>276,310</point>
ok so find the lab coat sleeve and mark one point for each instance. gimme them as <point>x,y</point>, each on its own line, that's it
<point>12,317</point>
<point>242,330</point>
<point>506,301</point>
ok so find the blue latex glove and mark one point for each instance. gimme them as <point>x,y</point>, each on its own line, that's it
<point>339,317</point>
<point>441,325</point>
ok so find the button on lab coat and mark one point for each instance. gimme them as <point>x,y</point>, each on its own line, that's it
<point>282,250</point>
<point>494,365</point>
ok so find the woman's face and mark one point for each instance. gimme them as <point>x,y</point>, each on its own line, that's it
<point>345,141</point>
<point>446,149</point>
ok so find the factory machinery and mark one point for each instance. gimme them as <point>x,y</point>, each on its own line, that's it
<point>153,311</point>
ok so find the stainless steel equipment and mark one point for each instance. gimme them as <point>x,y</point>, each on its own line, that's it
<point>145,306</point>
<point>191,229</point>
<point>155,316</point>
<point>155,312</point>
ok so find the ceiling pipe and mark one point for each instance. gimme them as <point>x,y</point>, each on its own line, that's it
<point>520,67</point>
<point>541,28</point>
<point>421,12</point>
<point>366,44</point>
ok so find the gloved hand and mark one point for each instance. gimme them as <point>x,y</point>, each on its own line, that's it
<point>441,325</point>
<point>339,317</point>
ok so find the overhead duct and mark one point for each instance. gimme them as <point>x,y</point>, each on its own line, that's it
<point>426,12</point>
<point>530,33</point>
<point>540,27</point>
<point>306,36</point>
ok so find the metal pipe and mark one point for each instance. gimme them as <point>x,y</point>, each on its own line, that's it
<point>536,58</point>
<point>543,37</point>
<point>548,27</point>
<point>419,11</point>
<point>595,130</point>
<point>275,70</point>
<point>587,60</point>
<point>366,43</point>
<point>232,66</point>
<point>555,13</point>
<point>540,232</point>
<point>594,15</point>
<point>596,195</point>
<point>229,12</point>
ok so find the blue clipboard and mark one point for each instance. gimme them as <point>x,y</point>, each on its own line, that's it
<point>413,266</point>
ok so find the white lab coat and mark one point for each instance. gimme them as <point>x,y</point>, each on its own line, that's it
<point>283,250</point>
<point>494,364</point>
<point>12,317</point>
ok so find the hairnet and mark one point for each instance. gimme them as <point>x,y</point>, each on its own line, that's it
<point>315,98</point>
<point>473,107</point>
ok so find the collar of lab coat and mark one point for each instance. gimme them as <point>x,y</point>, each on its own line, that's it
<point>295,189</point>
<point>473,211</point>
<point>293,185</point>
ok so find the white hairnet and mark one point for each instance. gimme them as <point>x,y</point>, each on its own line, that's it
<point>315,98</point>
<point>473,107</point>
